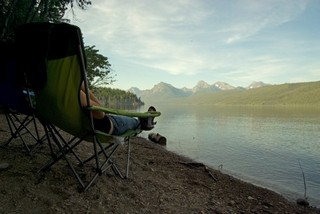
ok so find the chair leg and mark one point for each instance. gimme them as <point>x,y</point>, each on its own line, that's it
<point>63,151</point>
<point>102,155</point>
<point>107,151</point>
<point>111,163</point>
<point>16,130</point>
<point>128,158</point>
<point>19,127</point>
<point>39,140</point>
<point>63,155</point>
<point>66,148</point>
<point>93,156</point>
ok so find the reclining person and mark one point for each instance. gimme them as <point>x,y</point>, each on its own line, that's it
<point>115,124</point>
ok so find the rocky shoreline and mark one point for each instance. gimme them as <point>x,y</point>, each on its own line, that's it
<point>160,182</point>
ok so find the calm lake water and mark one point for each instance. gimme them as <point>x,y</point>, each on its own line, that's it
<point>262,145</point>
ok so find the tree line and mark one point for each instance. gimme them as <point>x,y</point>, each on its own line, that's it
<point>116,98</point>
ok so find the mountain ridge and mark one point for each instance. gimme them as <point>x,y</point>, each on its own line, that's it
<point>167,91</point>
<point>219,93</point>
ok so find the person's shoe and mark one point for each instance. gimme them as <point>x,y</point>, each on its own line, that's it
<point>151,121</point>
<point>151,108</point>
<point>148,123</point>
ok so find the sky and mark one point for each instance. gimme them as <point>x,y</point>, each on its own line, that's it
<point>181,42</point>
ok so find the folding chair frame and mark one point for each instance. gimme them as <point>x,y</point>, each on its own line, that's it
<point>19,127</point>
<point>19,114</point>
<point>66,146</point>
<point>102,156</point>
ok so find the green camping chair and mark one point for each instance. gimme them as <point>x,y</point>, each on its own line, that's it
<point>55,73</point>
<point>14,105</point>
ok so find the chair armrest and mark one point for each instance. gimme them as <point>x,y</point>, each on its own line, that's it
<point>124,112</point>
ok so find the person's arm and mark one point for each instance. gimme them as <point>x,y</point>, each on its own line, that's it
<point>93,101</point>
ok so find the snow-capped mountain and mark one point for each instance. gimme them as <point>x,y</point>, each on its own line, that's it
<point>164,90</point>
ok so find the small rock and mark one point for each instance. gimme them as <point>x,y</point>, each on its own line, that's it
<point>218,211</point>
<point>250,198</point>
<point>231,203</point>
<point>302,202</point>
<point>265,203</point>
<point>4,166</point>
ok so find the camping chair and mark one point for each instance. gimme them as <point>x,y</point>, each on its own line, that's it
<point>13,102</point>
<point>60,67</point>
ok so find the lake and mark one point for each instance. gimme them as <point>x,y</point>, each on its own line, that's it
<point>271,147</point>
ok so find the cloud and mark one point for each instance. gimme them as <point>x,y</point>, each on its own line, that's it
<point>149,32</point>
<point>187,37</point>
<point>250,17</point>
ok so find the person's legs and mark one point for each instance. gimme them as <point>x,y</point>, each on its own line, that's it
<point>118,124</point>
<point>122,123</point>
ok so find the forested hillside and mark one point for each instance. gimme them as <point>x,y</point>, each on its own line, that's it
<point>116,98</point>
<point>284,94</point>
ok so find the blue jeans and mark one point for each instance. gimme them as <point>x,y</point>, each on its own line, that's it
<point>122,123</point>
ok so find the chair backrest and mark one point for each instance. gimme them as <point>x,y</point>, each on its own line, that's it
<point>54,73</point>
<point>11,93</point>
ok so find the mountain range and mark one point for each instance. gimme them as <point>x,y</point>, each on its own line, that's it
<point>167,91</point>
<point>220,93</point>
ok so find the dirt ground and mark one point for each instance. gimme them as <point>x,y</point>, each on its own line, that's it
<point>159,182</point>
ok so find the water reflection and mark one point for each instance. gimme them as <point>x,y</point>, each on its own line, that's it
<point>260,144</point>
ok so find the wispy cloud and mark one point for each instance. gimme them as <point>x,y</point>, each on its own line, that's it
<point>154,35</point>
<point>187,37</point>
<point>250,17</point>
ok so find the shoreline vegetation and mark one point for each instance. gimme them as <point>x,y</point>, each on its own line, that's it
<point>159,182</point>
<point>116,98</point>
